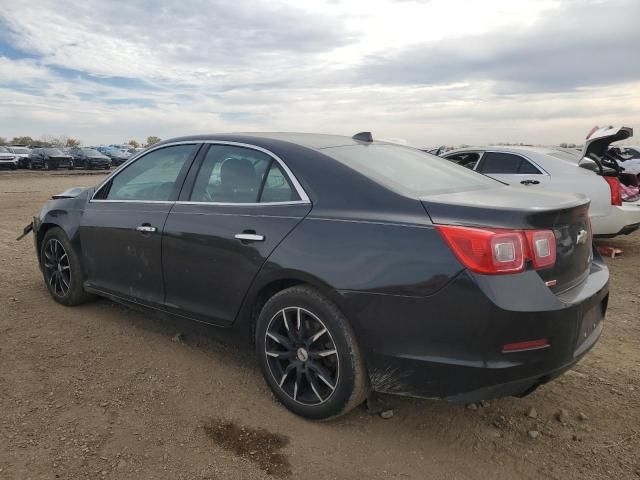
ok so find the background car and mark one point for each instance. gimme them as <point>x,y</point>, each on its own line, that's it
<point>117,155</point>
<point>549,169</point>
<point>349,265</point>
<point>49,158</point>
<point>89,158</point>
<point>8,159</point>
<point>22,154</point>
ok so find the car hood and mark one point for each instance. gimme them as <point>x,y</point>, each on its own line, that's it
<point>599,139</point>
<point>74,192</point>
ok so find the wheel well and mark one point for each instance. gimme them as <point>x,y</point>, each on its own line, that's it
<point>266,293</point>
<point>42,231</point>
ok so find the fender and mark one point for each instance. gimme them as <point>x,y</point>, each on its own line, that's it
<point>64,210</point>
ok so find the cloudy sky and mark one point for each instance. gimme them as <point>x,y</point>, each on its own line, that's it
<point>428,71</point>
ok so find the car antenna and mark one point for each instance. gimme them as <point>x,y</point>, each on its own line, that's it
<point>363,137</point>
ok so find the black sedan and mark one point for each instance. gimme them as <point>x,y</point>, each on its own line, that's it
<point>351,265</point>
<point>49,159</point>
<point>89,158</point>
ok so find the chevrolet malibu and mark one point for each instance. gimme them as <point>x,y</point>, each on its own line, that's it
<point>351,265</point>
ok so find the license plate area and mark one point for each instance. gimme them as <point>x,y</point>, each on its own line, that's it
<point>589,323</point>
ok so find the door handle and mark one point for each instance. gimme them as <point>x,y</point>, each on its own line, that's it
<point>529,182</point>
<point>249,237</point>
<point>146,229</point>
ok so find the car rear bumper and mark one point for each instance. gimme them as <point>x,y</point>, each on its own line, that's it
<point>450,345</point>
<point>620,221</point>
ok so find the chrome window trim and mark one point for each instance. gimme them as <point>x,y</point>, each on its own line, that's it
<point>248,204</point>
<point>304,198</point>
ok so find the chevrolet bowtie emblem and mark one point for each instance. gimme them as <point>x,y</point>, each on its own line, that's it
<point>581,237</point>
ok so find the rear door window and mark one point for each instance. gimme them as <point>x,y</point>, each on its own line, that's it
<point>506,163</point>
<point>230,174</point>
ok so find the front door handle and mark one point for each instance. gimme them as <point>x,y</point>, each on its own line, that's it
<point>249,237</point>
<point>146,229</point>
<point>530,182</point>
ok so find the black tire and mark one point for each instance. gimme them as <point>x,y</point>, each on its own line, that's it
<point>65,265</point>
<point>319,385</point>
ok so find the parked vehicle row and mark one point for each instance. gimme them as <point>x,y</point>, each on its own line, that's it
<point>53,158</point>
<point>349,265</point>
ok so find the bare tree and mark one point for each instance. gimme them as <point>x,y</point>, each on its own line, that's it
<point>72,142</point>
<point>133,143</point>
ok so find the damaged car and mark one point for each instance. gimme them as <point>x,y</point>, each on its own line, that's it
<point>593,172</point>
<point>348,264</point>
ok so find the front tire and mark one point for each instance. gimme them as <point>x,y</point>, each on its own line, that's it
<point>62,269</point>
<point>309,354</point>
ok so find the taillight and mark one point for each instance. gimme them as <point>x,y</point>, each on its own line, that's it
<point>497,251</point>
<point>614,186</point>
<point>542,248</point>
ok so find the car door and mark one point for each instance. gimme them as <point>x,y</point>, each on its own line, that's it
<point>237,206</point>
<point>511,168</point>
<point>121,227</point>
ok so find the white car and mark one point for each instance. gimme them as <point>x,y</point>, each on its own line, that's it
<point>589,172</point>
<point>8,159</point>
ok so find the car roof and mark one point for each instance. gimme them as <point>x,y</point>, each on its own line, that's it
<point>316,141</point>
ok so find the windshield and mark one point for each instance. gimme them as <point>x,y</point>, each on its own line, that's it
<point>91,151</point>
<point>409,171</point>
<point>53,151</point>
<point>4,150</point>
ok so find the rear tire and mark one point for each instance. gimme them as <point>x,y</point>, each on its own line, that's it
<point>309,355</point>
<point>62,269</point>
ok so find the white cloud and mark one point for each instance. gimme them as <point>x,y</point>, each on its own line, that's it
<point>110,71</point>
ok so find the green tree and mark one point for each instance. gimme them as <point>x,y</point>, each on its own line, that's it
<point>134,143</point>
<point>152,140</point>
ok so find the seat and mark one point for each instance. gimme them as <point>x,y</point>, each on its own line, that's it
<point>238,182</point>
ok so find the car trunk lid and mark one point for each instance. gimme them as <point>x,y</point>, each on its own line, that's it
<point>515,208</point>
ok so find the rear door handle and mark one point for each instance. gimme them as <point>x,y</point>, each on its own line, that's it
<point>249,237</point>
<point>146,229</point>
<point>530,182</point>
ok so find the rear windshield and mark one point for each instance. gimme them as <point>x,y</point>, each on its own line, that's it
<point>90,151</point>
<point>409,171</point>
<point>4,150</point>
<point>53,151</point>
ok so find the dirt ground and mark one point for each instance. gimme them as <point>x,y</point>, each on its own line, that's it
<point>100,391</point>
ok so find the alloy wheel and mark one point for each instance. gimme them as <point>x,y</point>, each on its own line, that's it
<point>57,268</point>
<point>302,356</point>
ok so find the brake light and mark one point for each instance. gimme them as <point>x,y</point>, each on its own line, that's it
<point>614,186</point>
<point>542,245</point>
<point>498,251</point>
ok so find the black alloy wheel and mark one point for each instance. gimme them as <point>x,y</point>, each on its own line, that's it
<point>302,356</point>
<point>62,269</point>
<point>309,355</point>
<point>57,268</point>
